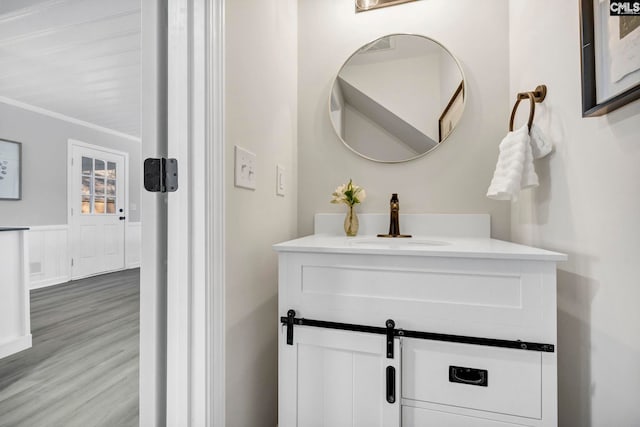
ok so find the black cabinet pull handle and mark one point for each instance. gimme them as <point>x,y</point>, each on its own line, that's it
<point>469,376</point>
<point>122,218</point>
<point>391,384</point>
<point>291,314</point>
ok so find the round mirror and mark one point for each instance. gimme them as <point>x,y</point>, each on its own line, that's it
<point>397,98</point>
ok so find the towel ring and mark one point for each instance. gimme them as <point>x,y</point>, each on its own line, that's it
<point>532,111</point>
<point>536,96</point>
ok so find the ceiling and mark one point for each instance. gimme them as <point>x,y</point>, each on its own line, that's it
<point>78,58</point>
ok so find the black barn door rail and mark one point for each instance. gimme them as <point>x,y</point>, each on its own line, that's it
<point>390,331</point>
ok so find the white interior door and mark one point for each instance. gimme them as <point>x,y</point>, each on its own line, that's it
<point>98,210</point>
<point>331,378</point>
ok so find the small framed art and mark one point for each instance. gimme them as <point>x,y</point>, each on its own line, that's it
<point>610,53</point>
<point>10,170</point>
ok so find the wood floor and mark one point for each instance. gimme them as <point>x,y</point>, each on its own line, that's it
<point>83,367</point>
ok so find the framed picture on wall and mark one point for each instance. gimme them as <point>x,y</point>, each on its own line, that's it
<point>610,58</point>
<point>10,170</point>
<point>451,113</point>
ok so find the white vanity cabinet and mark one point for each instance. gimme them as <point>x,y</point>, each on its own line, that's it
<point>463,309</point>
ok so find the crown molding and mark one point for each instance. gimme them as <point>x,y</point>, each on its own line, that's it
<point>62,117</point>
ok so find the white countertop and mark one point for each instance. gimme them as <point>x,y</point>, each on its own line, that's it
<point>419,246</point>
<point>13,229</point>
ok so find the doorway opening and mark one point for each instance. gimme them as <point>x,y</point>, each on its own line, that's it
<point>70,94</point>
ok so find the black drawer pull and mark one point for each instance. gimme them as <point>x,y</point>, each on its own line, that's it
<point>470,376</point>
<point>391,384</point>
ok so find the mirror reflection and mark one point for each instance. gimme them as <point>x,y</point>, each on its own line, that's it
<point>397,98</point>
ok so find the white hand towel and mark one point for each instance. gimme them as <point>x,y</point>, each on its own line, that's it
<point>541,141</point>
<point>540,144</point>
<point>514,169</point>
<point>529,176</point>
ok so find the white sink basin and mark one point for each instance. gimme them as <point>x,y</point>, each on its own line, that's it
<point>401,243</point>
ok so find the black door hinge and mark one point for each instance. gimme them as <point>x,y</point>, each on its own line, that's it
<point>161,175</point>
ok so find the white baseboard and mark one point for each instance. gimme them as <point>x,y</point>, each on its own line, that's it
<point>14,345</point>
<point>50,282</point>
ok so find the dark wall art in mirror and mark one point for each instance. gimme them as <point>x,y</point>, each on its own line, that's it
<point>364,5</point>
<point>451,114</point>
<point>10,170</point>
<point>397,98</point>
<point>610,58</point>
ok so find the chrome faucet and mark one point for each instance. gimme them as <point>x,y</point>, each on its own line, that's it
<point>394,223</point>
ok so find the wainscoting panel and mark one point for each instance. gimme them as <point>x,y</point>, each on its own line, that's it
<point>49,259</point>
<point>49,255</point>
<point>133,244</point>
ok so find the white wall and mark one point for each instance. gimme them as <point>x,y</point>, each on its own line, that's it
<point>588,206</point>
<point>44,165</point>
<point>261,116</point>
<point>453,178</point>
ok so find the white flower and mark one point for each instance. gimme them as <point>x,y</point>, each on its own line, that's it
<point>349,194</point>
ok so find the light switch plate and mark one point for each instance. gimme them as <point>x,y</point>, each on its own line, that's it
<point>280,183</point>
<point>245,168</point>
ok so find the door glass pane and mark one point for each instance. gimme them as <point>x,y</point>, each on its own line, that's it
<point>99,205</point>
<point>99,186</point>
<point>86,204</point>
<point>111,205</point>
<point>111,170</point>
<point>87,165</point>
<point>100,168</point>
<point>86,185</point>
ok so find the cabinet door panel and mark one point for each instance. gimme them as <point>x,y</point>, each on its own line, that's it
<point>417,417</point>
<point>335,379</point>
